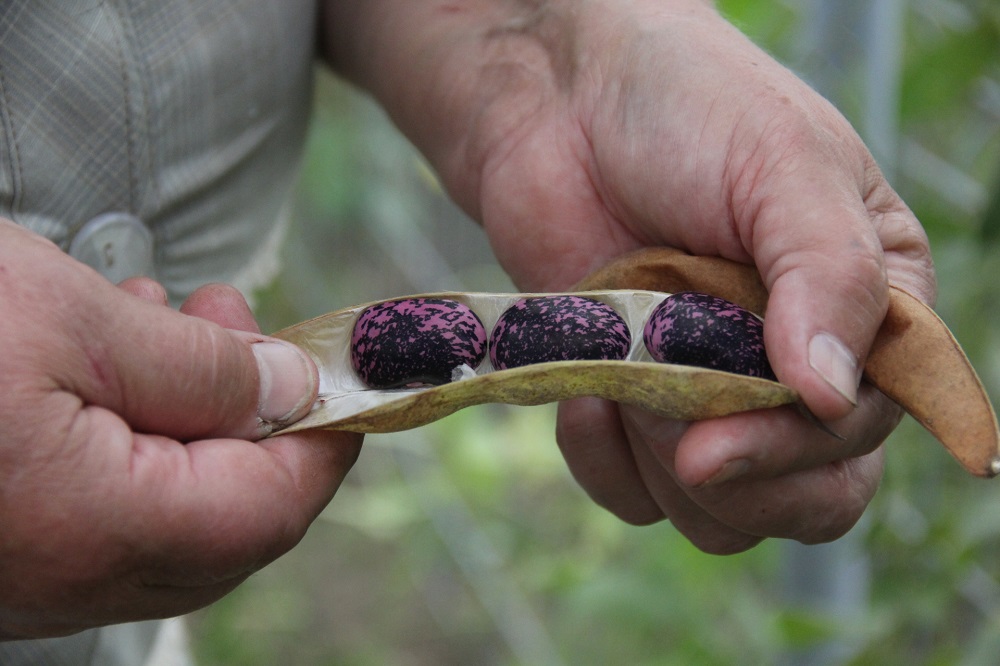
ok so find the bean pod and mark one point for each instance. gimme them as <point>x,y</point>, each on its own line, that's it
<point>915,360</point>
<point>401,363</point>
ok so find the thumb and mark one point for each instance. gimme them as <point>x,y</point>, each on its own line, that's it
<point>827,262</point>
<point>184,377</point>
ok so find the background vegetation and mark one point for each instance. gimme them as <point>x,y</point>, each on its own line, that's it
<point>467,542</point>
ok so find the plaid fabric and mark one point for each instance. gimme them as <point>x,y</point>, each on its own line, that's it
<point>120,645</point>
<point>189,114</point>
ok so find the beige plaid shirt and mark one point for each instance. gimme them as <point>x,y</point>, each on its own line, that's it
<point>188,115</point>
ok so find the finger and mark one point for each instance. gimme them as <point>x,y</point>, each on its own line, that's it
<point>820,237</point>
<point>632,483</point>
<point>589,434</point>
<point>701,528</point>
<point>218,303</point>
<point>181,524</point>
<point>771,443</point>
<point>222,304</point>
<point>227,507</point>
<point>179,375</point>
<point>908,262</point>
<point>95,344</point>
<point>146,289</point>
<point>827,299</point>
<point>817,504</point>
<point>814,506</point>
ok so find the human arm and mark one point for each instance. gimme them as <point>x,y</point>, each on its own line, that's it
<point>131,486</point>
<point>576,131</point>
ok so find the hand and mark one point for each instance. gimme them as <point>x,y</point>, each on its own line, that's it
<point>682,133</point>
<point>579,131</point>
<point>131,487</point>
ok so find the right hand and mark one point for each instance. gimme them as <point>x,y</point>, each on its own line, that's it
<point>581,131</point>
<point>132,484</point>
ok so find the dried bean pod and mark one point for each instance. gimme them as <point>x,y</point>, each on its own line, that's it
<point>676,392</point>
<point>915,359</point>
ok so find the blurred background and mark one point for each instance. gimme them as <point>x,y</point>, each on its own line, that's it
<point>466,542</point>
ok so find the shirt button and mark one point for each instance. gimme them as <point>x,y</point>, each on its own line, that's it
<point>117,245</point>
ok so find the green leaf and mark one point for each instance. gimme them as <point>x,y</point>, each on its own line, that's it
<point>936,78</point>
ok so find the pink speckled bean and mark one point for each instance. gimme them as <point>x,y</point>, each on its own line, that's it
<point>690,328</point>
<point>415,341</point>
<point>558,328</point>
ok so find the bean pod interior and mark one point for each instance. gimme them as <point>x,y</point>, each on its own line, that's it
<point>540,348</point>
<point>423,341</point>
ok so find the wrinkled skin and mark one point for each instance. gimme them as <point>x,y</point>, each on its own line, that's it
<point>132,481</point>
<point>594,128</point>
<point>106,515</point>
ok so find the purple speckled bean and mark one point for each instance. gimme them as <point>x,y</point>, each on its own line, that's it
<point>416,341</point>
<point>689,328</point>
<point>558,328</point>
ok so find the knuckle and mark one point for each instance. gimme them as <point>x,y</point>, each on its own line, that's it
<point>853,483</point>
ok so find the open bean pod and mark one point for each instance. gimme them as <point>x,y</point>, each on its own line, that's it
<point>347,402</point>
<point>915,359</point>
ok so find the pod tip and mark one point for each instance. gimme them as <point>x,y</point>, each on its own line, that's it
<point>994,466</point>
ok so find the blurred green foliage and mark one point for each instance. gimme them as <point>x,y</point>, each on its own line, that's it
<point>467,542</point>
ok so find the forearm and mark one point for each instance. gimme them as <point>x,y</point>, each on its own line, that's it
<point>437,68</point>
<point>460,77</point>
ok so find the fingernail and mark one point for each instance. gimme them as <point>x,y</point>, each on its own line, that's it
<point>835,363</point>
<point>731,470</point>
<point>287,381</point>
